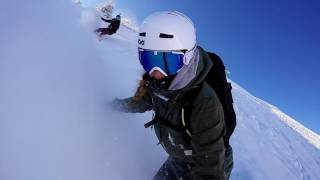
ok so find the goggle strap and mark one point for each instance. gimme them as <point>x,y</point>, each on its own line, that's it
<point>165,62</point>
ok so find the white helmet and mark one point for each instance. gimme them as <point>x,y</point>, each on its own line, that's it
<point>165,30</point>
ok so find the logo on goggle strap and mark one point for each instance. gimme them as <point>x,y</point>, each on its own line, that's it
<point>141,42</point>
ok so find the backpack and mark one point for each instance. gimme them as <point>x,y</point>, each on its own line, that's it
<point>217,79</point>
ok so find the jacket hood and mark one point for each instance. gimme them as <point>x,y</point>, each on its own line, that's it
<point>190,75</point>
<point>193,73</point>
<point>203,68</point>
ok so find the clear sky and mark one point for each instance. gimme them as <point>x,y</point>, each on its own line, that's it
<point>271,47</point>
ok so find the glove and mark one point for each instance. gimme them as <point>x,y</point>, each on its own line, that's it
<point>118,105</point>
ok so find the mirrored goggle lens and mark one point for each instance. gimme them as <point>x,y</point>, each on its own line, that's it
<point>169,62</point>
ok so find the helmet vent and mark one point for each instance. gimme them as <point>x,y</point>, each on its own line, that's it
<point>166,35</point>
<point>172,13</point>
<point>142,34</point>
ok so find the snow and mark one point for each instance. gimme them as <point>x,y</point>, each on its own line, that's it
<point>56,80</point>
<point>268,147</point>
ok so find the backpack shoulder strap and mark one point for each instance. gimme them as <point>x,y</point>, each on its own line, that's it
<point>217,79</point>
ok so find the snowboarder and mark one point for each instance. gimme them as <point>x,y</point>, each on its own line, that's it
<point>188,116</point>
<point>112,28</point>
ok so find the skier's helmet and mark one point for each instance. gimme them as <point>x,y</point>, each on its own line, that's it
<point>118,17</point>
<point>164,38</point>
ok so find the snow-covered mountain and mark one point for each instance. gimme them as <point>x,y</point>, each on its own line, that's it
<point>56,80</point>
<point>268,144</point>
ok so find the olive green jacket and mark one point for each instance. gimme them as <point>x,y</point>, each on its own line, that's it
<point>203,117</point>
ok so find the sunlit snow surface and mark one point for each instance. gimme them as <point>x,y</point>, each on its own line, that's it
<point>56,80</point>
<point>266,144</point>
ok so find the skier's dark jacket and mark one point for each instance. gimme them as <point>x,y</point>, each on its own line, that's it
<point>114,24</point>
<point>205,146</point>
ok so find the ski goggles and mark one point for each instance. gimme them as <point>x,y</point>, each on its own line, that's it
<point>167,62</point>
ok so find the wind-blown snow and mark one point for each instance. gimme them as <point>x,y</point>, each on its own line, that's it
<point>56,80</point>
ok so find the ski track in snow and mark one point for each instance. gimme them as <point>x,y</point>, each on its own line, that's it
<point>55,122</point>
<point>277,149</point>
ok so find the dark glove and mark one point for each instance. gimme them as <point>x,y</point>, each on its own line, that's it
<point>119,104</point>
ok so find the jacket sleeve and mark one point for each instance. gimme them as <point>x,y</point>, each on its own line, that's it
<point>208,129</point>
<point>106,20</point>
<point>133,105</point>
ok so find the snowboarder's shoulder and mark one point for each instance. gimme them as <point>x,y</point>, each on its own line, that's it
<point>205,94</point>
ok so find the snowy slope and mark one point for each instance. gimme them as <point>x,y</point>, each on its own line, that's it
<point>56,80</point>
<point>268,145</point>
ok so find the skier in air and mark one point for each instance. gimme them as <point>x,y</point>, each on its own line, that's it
<point>112,27</point>
<point>189,119</point>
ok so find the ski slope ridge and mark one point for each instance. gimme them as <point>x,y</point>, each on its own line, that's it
<point>270,143</point>
<point>308,134</point>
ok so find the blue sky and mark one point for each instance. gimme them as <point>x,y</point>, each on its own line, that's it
<point>272,48</point>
